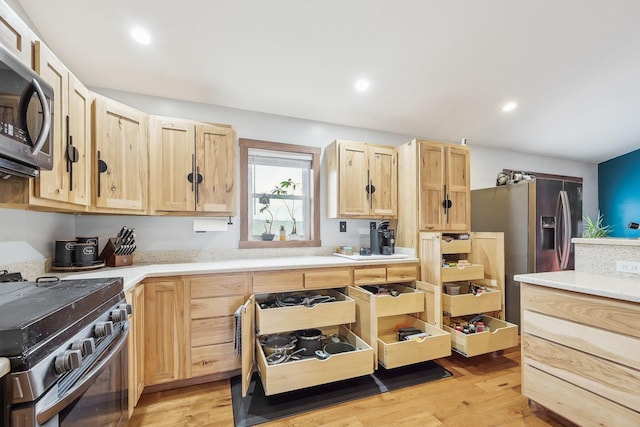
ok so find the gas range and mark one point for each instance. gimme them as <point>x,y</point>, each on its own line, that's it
<point>56,333</point>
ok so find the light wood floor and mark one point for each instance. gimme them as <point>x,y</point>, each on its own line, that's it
<point>484,391</point>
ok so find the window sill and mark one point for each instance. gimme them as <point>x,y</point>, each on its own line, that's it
<point>251,244</point>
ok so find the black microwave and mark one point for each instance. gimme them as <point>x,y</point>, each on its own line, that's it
<point>26,115</point>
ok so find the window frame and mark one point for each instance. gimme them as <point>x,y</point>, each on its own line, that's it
<point>245,145</point>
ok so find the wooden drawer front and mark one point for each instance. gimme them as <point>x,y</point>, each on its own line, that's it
<point>402,273</point>
<point>393,353</point>
<point>309,372</point>
<point>574,403</point>
<point>216,330</point>
<point>409,300</point>
<point>363,276</point>
<point>212,359</point>
<point>619,348</point>
<point>327,278</point>
<point>500,336</point>
<point>456,274</point>
<point>607,379</point>
<point>282,319</point>
<point>455,247</point>
<point>215,307</point>
<point>603,313</point>
<point>218,285</point>
<point>459,305</point>
<point>264,282</point>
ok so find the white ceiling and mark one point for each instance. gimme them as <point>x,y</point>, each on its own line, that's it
<point>438,69</point>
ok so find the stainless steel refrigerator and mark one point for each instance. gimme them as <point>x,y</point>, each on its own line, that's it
<point>538,218</point>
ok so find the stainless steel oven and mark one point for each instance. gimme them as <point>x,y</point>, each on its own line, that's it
<point>26,139</point>
<point>72,369</point>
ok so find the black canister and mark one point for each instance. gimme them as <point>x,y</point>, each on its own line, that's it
<point>85,254</point>
<point>64,253</point>
<point>92,241</point>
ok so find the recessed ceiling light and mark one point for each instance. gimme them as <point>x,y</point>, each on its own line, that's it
<point>362,85</point>
<point>509,106</point>
<point>141,36</point>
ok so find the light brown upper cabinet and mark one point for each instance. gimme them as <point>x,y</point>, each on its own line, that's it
<point>68,181</point>
<point>119,157</point>
<point>65,187</point>
<point>15,34</point>
<point>192,167</point>
<point>434,187</point>
<point>362,180</point>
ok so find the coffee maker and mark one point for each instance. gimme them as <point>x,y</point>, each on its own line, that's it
<point>382,240</point>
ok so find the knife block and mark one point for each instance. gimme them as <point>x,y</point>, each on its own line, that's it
<point>109,256</point>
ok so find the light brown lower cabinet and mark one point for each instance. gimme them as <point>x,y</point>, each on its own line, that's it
<point>581,355</point>
<point>308,371</point>
<point>136,355</point>
<point>381,315</point>
<point>165,330</point>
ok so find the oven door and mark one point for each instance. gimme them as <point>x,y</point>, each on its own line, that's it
<point>97,398</point>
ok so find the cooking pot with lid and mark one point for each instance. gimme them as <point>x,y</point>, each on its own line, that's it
<point>310,340</point>
<point>282,344</point>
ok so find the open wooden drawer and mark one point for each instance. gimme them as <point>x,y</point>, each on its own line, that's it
<point>462,272</point>
<point>501,335</point>
<point>279,319</point>
<point>408,300</point>
<point>393,353</point>
<point>302,373</point>
<point>468,303</point>
<point>312,371</point>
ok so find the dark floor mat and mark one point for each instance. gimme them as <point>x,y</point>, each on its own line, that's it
<point>256,408</point>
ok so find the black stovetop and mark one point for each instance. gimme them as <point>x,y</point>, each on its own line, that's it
<point>32,312</point>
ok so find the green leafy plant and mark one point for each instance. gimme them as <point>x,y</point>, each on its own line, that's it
<point>595,229</point>
<point>266,202</point>
<point>283,189</point>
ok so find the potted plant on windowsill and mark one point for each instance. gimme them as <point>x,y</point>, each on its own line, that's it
<point>264,200</point>
<point>281,190</point>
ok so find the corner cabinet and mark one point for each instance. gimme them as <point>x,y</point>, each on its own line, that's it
<point>434,189</point>
<point>361,180</point>
<point>473,266</point>
<point>192,167</point>
<point>120,178</point>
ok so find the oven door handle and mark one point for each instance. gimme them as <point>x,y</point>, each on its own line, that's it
<point>77,390</point>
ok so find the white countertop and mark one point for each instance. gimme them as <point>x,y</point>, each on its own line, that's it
<point>622,288</point>
<point>135,274</point>
<point>613,241</point>
<point>4,366</point>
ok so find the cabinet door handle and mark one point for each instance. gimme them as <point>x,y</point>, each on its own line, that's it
<point>197,183</point>
<point>102,168</point>
<point>193,170</point>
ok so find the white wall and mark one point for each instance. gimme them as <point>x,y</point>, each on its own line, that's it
<point>39,230</point>
<point>27,235</point>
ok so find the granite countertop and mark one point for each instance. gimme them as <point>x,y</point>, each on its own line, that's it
<point>622,288</point>
<point>4,366</point>
<point>135,274</point>
<point>615,241</point>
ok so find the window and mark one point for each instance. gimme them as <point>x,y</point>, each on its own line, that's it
<point>280,187</point>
